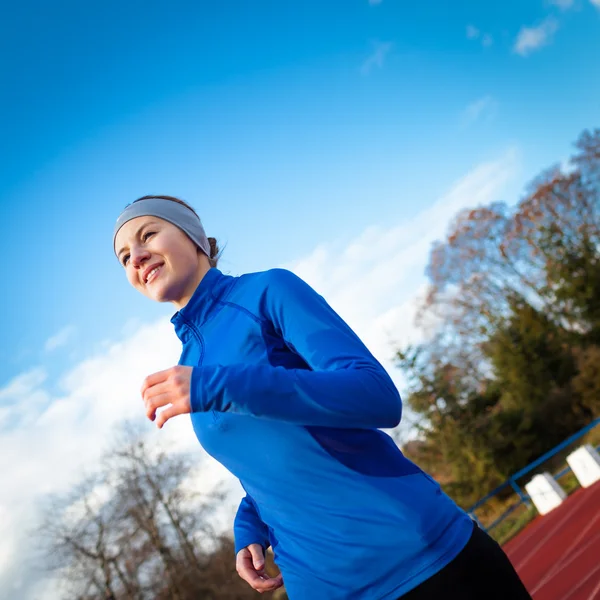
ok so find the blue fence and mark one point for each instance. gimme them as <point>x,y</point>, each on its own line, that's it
<point>512,481</point>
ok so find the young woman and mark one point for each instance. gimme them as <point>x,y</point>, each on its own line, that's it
<point>284,394</point>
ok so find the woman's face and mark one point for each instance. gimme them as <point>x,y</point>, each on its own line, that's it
<point>160,260</point>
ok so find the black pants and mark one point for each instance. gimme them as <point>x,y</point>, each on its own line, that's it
<point>481,571</point>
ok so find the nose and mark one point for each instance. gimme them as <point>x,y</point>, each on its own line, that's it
<point>138,257</point>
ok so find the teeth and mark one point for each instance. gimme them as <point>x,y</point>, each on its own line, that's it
<point>151,274</point>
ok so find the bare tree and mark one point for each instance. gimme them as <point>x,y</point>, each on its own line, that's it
<point>79,532</point>
<point>136,530</point>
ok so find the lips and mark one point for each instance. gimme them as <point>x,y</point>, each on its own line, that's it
<point>151,272</point>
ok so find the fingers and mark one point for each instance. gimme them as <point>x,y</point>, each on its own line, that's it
<point>256,578</point>
<point>245,567</point>
<point>261,583</point>
<point>156,396</point>
<point>156,402</point>
<point>171,386</point>
<point>166,414</point>
<point>269,584</point>
<point>258,556</point>
<point>156,389</point>
<point>155,378</point>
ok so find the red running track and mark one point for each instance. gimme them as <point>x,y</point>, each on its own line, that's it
<point>558,555</point>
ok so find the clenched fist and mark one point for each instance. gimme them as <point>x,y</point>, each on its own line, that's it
<point>250,565</point>
<point>170,388</point>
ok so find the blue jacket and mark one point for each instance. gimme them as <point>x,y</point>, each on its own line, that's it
<point>289,400</point>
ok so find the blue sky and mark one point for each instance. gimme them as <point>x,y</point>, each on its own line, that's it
<point>284,123</point>
<point>336,138</point>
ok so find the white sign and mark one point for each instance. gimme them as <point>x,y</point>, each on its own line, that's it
<point>545,493</point>
<point>585,464</point>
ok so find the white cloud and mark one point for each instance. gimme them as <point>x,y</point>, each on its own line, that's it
<point>533,38</point>
<point>47,441</point>
<point>22,399</point>
<point>22,384</point>
<point>375,2</point>
<point>473,32</point>
<point>486,40</point>
<point>377,57</point>
<point>62,338</point>
<point>482,108</point>
<point>373,282</point>
<point>563,4</point>
<point>595,3</point>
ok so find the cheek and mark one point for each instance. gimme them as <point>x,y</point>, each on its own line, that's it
<point>132,277</point>
<point>192,262</point>
<point>185,259</point>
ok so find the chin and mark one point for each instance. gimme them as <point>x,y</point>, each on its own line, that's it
<point>164,294</point>
<point>158,294</point>
<point>161,298</point>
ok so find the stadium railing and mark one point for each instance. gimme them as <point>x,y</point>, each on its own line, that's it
<point>512,514</point>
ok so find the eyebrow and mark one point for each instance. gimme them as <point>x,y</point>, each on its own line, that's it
<point>137,233</point>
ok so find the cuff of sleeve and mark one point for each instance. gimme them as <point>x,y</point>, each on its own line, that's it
<point>244,538</point>
<point>196,400</point>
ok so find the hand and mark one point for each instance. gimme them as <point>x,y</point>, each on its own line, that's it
<point>250,565</point>
<point>169,388</point>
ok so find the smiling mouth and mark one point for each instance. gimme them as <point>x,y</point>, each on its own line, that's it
<point>152,275</point>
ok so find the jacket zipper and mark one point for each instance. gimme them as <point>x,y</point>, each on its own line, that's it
<point>196,333</point>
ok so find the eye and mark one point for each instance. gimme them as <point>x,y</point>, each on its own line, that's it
<point>147,235</point>
<point>125,259</point>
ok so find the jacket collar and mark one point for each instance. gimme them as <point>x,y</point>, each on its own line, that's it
<point>213,285</point>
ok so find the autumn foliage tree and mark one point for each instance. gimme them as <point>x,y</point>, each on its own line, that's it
<point>516,290</point>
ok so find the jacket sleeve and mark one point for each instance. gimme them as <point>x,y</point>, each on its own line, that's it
<point>248,527</point>
<point>344,386</point>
